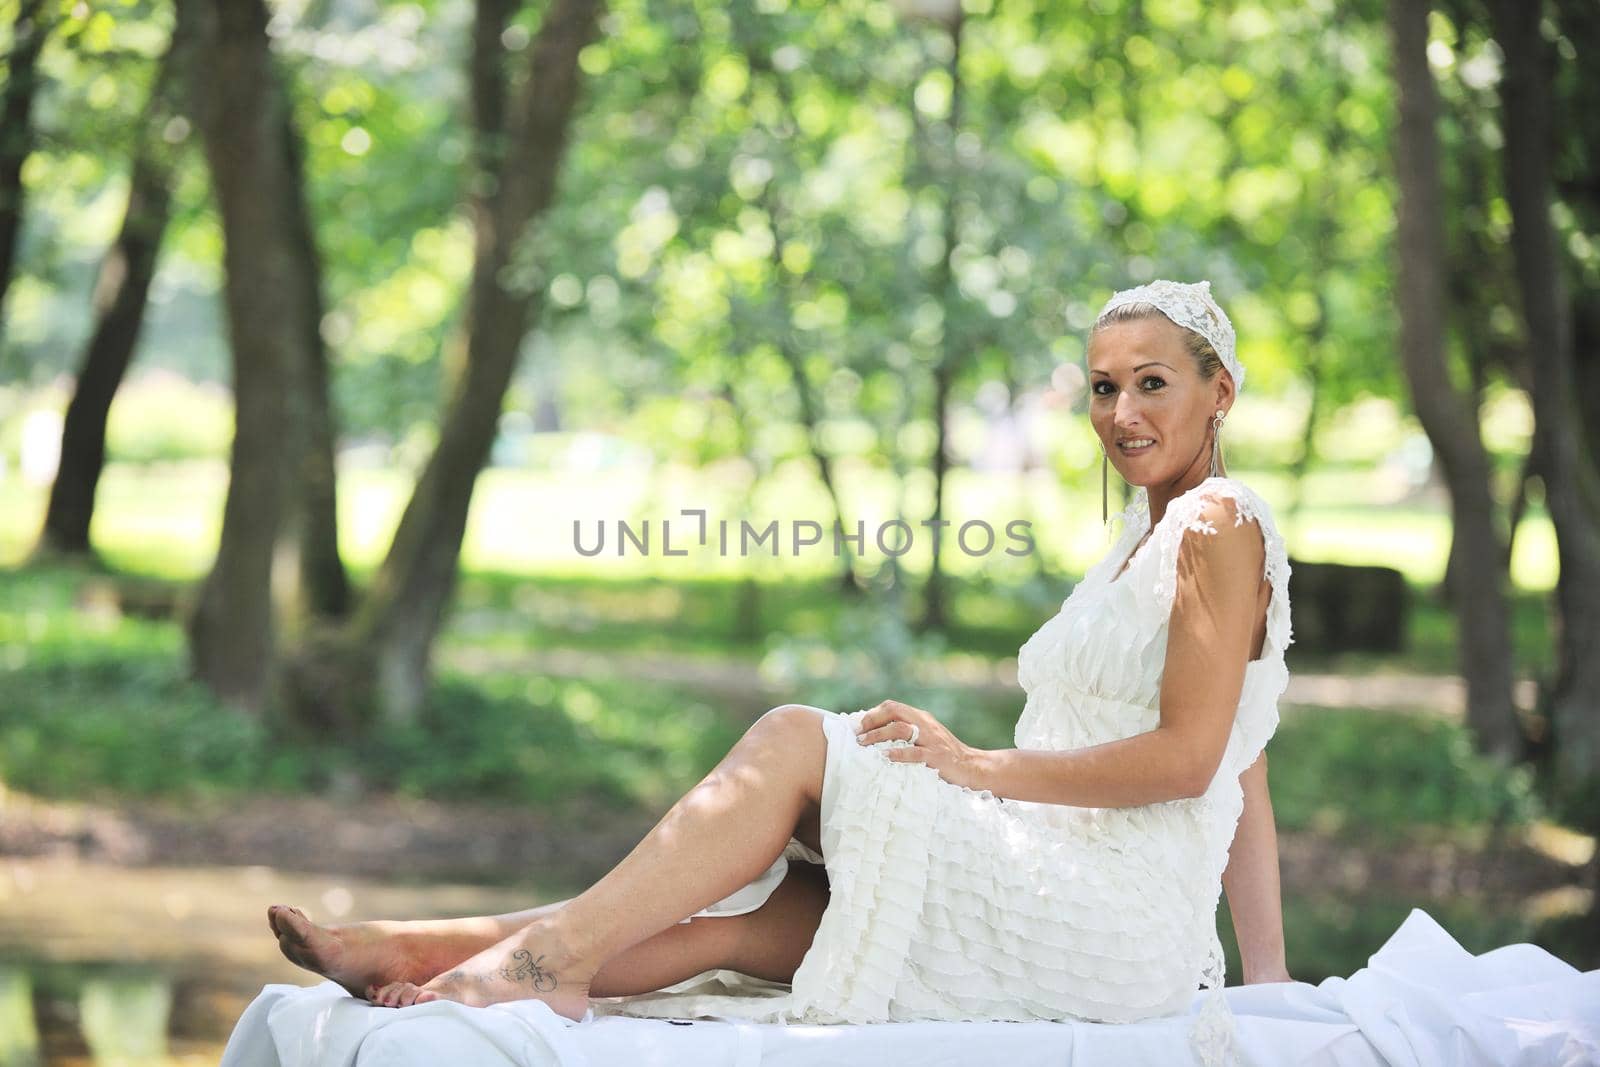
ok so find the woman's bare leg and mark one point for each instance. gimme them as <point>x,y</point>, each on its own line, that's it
<point>719,837</point>
<point>767,943</point>
<point>779,759</point>
<point>365,956</point>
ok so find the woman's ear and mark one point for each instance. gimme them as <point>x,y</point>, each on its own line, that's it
<point>1225,391</point>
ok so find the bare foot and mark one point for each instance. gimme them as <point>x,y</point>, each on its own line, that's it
<point>535,963</point>
<point>362,957</point>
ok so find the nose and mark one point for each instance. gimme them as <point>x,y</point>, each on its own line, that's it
<point>1125,416</point>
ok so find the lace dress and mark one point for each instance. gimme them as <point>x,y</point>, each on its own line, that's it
<point>952,904</point>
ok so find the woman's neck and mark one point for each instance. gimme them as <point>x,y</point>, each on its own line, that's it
<point>1166,493</point>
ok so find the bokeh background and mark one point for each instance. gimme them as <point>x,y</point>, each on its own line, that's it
<point>332,328</point>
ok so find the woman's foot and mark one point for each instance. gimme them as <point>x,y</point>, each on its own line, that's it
<point>536,963</point>
<point>362,957</point>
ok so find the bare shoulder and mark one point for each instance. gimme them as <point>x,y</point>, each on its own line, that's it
<point>1229,519</point>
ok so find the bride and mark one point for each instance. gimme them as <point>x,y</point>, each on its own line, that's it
<point>872,867</point>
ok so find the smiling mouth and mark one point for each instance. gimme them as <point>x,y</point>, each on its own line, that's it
<point>1136,446</point>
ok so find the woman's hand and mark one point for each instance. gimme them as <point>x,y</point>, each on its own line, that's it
<point>957,763</point>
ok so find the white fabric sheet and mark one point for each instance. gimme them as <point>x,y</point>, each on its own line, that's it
<point>1422,1001</point>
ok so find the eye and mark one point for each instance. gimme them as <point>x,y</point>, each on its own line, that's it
<point>1155,378</point>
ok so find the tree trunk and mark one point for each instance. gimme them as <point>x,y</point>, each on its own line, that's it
<point>120,296</point>
<point>1572,482</point>
<point>935,612</point>
<point>313,581</point>
<point>28,35</point>
<point>848,584</point>
<point>1447,417</point>
<point>239,106</point>
<point>1586,365</point>
<point>759,60</point>
<point>382,663</point>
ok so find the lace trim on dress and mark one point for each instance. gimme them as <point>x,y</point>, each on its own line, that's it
<point>1184,514</point>
<point>1214,1037</point>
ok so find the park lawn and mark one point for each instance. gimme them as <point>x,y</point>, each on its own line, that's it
<point>99,705</point>
<point>98,709</point>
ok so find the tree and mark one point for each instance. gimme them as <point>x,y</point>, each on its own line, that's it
<point>1478,588</point>
<point>1567,461</point>
<point>279,493</point>
<point>380,662</point>
<point>28,34</point>
<point>120,297</point>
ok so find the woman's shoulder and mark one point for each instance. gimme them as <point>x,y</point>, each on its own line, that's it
<point>1216,500</point>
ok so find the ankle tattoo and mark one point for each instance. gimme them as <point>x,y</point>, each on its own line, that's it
<point>524,968</point>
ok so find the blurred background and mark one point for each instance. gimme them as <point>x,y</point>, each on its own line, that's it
<point>333,329</point>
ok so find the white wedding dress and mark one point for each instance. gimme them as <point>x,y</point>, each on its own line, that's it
<point>952,904</point>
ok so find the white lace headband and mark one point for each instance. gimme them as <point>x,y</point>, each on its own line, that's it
<point>1189,305</point>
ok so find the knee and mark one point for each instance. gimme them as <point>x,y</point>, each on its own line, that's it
<point>790,720</point>
<point>791,728</point>
<point>791,736</point>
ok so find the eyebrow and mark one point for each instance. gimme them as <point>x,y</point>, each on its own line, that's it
<point>1142,366</point>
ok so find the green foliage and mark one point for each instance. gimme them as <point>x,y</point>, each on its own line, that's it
<point>98,707</point>
<point>1336,934</point>
<point>1385,775</point>
<point>542,741</point>
<point>129,725</point>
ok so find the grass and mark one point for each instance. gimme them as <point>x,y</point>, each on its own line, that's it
<point>99,705</point>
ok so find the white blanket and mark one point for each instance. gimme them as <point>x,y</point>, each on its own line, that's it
<point>1422,1001</point>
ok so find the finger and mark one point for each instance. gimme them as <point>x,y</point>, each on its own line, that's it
<point>906,755</point>
<point>894,731</point>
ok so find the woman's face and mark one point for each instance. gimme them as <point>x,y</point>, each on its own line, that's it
<point>1144,386</point>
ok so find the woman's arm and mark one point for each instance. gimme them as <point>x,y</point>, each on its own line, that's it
<point>1251,882</point>
<point>1209,636</point>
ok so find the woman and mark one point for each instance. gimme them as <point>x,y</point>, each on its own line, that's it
<point>1074,876</point>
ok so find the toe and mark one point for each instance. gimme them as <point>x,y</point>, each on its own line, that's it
<point>425,996</point>
<point>408,994</point>
<point>296,926</point>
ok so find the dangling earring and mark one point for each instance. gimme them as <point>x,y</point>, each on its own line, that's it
<point>1216,445</point>
<point>1105,459</point>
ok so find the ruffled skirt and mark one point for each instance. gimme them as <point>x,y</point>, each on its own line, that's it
<point>951,904</point>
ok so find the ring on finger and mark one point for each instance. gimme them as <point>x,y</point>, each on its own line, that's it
<point>916,732</point>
